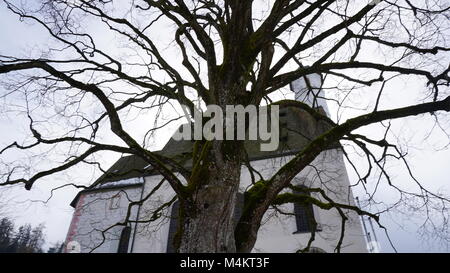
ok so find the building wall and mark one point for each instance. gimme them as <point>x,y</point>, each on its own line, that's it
<point>98,211</point>
<point>152,237</point>
<point>277,232</point>
<point>275,235</point>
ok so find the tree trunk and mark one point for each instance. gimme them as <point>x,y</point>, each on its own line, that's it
<point>206,219</point>
<point>206,216</point>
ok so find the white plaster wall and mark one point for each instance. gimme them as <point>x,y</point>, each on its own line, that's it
<point>328,173</point>
<point>152,237</point>
<point>94,215</point>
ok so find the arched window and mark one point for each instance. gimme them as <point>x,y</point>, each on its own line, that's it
<point>314,249</point>
<point>173,227</point>
<point>304,214</point>
<point>124,240</point>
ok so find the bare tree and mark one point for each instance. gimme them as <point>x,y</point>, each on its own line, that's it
<point>230,52</point>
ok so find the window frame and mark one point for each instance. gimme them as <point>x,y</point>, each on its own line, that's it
<point>115,202</point>
<point>305,226</point>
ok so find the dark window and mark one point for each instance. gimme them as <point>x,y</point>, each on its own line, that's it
<point>124,240</point>
<point>173,227</point>
<point>304,215</point>
<point>238,209</point>
<point>174,220</point>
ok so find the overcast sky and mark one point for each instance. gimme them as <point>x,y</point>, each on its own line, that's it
<point>430,165</point>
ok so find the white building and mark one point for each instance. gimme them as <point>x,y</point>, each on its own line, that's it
<point>285,228</point>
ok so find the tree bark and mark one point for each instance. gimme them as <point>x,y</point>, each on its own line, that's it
<point>206,217</point>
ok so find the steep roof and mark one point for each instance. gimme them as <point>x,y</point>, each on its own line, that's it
<point>297,128</point>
